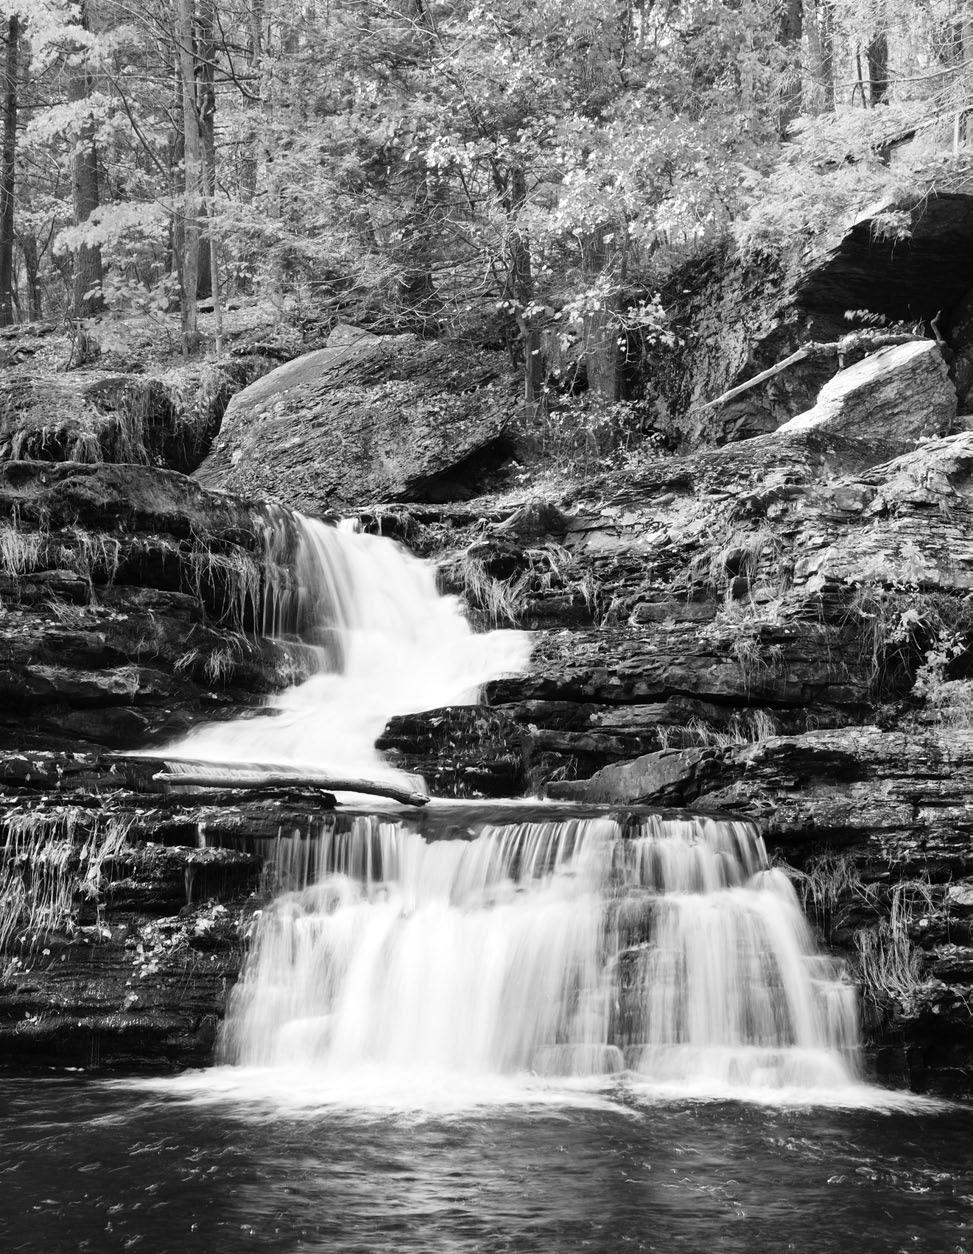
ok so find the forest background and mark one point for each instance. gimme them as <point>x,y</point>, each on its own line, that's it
<point>531,173</point>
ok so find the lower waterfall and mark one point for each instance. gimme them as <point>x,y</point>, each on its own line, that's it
<point>667,949</point>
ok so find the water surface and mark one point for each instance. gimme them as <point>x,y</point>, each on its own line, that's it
<point>88,1165</point>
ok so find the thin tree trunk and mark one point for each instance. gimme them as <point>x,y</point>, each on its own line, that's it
<point>88,270</point>
<point>7,172</point>
<point>206,111</point>
<point>603,358</point>
<point>877,56</point>
<point>177,183</point>
<point>520,284</point>
<point>820,33</point>
<point>419,227</point>
<point>28,249</point>
<point>252,140</point>
<point>791,32</point>
<point>192,167</point>
<point>964,115</point>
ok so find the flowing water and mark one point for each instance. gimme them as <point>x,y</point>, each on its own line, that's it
<point>531,1029</point>
<point>666,947</point>
<point>378,638</point>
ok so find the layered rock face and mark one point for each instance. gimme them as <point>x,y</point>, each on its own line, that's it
<point>126,910</point>
<point>131,605</point>
<point>755,584</point>
<point>779,628</point>
<point>879,828</point>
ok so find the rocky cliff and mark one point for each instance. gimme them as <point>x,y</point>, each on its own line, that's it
<point>774,620</point>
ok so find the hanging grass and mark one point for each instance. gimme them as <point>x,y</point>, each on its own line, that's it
<point>49,864</point>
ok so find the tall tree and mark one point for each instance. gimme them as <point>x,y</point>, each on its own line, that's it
<point>8,157</point>
<point>877,56</point>
<point>791,34</point>
<point>206,53</point>
<point>192,174</point>
<point>88,268</point>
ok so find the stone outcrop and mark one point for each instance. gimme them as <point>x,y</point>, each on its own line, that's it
<point>126,957</point>
<point>736,318</point>
<point>726,595</point>
<point>368,418</point>
<point>900,394</point>
<point>126,408</point>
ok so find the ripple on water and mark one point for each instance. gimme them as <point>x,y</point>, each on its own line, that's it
<point>211,1162</point>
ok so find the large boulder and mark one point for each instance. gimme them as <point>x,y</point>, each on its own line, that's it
<point>367,418</point>
<point>899,394</point>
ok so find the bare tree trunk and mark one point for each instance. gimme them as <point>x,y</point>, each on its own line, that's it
<point>255,48</point>
<point>192,167</point>
<point>88,270</point>
<point>791,30</point>
<point>7,172</point>
<point>520,286</point>
<point>603,357</point>
<point>820,34</point>
<point>177,183</point>
<point>877,56</point>
<point>963,127</point>
<point>421,224</point>
<point>32,263</point>
<point>206,110</point>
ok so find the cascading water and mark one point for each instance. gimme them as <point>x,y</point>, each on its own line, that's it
<point>665,948</point>
<point>378,638</point>
<point>660,948</point>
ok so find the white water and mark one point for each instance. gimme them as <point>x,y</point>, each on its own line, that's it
<point>380,640</point>
<point>668,952</point>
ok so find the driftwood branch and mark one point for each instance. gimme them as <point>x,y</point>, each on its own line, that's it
<point>229,777</point>
<point>844,345</point>
<point>272,775</point>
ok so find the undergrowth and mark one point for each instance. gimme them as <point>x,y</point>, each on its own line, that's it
<point>744,728</point>
<point>579,437</point>
<point>495,601</point>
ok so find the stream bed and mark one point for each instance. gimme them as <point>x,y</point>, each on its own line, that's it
<point>202,1163</point>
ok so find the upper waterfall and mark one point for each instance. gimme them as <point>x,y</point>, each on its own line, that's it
<point>379,639</point>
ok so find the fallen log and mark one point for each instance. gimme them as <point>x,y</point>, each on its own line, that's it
<point>839,347</point>
<point>262,777</point>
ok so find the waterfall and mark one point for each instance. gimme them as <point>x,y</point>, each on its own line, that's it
<point>665,949</point>
<point>378,638</point>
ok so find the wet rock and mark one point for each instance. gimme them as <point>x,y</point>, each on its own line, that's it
<point>656,775</point>
<point>369,418</point>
